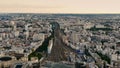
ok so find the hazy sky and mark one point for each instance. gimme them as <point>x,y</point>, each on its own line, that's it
<point>60,6</point>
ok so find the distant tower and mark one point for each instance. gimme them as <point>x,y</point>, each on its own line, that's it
<point>27,31</point>
<point>14,25</point>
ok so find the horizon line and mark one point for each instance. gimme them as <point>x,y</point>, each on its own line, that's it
<point>50,13</point>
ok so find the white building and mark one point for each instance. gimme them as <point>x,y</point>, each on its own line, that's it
<point>50,46</point>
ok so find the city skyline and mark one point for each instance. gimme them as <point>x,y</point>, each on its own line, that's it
<point>59,6</point>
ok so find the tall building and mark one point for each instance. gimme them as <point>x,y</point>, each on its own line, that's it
<point>14,25</point>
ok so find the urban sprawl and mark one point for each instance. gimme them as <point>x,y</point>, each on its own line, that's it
<point>59,40</point>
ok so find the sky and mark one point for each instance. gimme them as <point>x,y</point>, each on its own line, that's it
<point>60,6</point>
